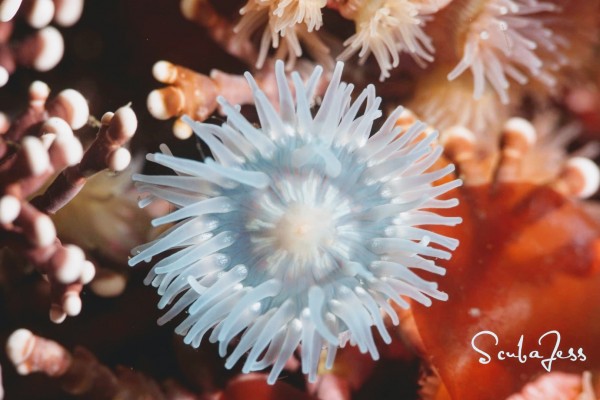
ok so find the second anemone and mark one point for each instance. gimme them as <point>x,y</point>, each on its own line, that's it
<point>298,232</point>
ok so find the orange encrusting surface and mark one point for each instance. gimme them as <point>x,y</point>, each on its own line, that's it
<point>527,264</point>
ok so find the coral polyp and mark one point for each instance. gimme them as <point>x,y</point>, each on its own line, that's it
<point>299,231</point>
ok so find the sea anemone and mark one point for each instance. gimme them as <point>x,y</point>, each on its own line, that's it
<point>510,39</point>
<point>287,24</point>
<point>290,12</point>
<point>299,231</point>
<point>387,28</point>
<point>447,104</point>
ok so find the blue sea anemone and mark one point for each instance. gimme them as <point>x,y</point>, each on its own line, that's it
<point>299,231</point>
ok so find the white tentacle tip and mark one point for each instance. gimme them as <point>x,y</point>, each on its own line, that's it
<point>72,304</point>
<point>44,231</point>
<point>88,272</point>
<point>10,207</point>
<point>182,130</point>
<point>52,49</point>
<point>79,111</point>
<point>8,9</point>
<point>523,127</point>
<point>119,159</point>
<point>457,133</point>
<point>37,155</point>
<point>164,71</point>
<point>4,75</point>
<point>19,346</point>
<point>127,121</point>
<point>68,12</point>
<point>590,175</point>
<point>40,13</point>
<point>57,314</point>
<point>71,265</point>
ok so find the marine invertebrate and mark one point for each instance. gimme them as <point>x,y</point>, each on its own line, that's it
<point>558,385</point>
<point>527,262</point>
<point>523,238</point>
<point>105,221</point>
<point>43,49</point>
<point>40,13</point>
<point>509,39</point>
<point>449,104</point>
<point>194,94</point>
<point>81,374</point>
<point>299,231</point>
<point>385,29</point>
<point>78,372</point>
<point>188,93</point>
<point>287,25</point>
<point>38,145</point>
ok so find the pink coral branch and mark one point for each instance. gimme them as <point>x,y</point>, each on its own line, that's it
<point>38,145</point>
<point>106,151</point>
<point>79,372</point>
<point>194,94</point>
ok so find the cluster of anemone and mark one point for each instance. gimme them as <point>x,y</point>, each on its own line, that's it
<point>298,232</point>
<point>510,40</point>
<point>500,41</point>
<point>289,25</point>
<point>470,55</point>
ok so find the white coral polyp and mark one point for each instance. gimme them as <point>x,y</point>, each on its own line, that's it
<point>299,231</point>
<point>505,41</point>
<point>387,28</point>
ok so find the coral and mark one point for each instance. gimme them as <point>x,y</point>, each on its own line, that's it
<point>27,161</point>
<point>299,231</point>
<point>496,278</point>
<point>105,221</point>
<point>195,95</point>
<point>79,373</point>
<point>37,145</point>
<point>558,385</point>
<point>189,93</point>
<point>42,50</point>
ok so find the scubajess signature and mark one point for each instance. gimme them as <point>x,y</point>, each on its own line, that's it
<point>524,355</point>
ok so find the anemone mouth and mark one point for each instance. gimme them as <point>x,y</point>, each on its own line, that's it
<point>305,226</point>
<point>300,231</point>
